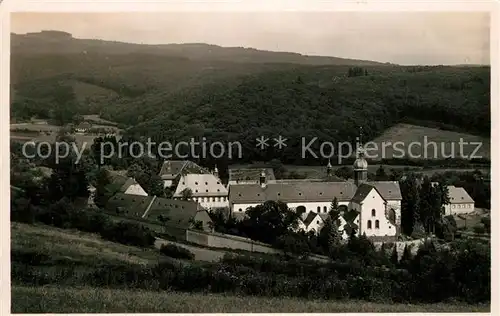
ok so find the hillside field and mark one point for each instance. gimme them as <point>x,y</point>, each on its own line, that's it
<point>448,142</point>
<point>96,300</point>
<point>317,172</point>
<point>75,245</point>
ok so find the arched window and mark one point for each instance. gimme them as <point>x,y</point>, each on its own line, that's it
<point>373,212</point>
<point>392,215</point>
<point>300,209</point>
<point>369,225</point>
<point>342,209</point>
<point>324,209</point>
<point>319,209</point>
<point>377,224</point>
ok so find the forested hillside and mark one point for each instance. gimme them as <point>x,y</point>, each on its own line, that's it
<point>52,62</point>
<point>180,91</point>
<point>327,102</point>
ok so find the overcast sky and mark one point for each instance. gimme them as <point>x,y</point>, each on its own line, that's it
<point>396,37</point>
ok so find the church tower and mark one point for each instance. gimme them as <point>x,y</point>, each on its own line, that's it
<point>329,169</point>
<point>360,165</point>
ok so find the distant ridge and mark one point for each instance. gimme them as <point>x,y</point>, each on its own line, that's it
<point>58,42</point>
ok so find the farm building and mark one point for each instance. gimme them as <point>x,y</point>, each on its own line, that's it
<point>206,189</point>
<point>460,201</point>
<point>174,215</point>
<point>172,170</point>
<point>126,185</point>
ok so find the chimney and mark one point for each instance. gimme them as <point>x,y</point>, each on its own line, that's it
<point>263,179</point>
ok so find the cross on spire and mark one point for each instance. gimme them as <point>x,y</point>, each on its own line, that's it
<point>360,136</point>
<point>360,145</point>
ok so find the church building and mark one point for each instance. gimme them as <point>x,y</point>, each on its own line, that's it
<point>371,208</point>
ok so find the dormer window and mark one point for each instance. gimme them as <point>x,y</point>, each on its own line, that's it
<point>320,193</point>
<point>206,183</point>
<point>300,193</point>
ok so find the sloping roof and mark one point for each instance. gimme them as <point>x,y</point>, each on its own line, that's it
<point>292,192</point>
<point>131,205</point>
<point>324,216</point>
<point>122,182</point>
<point>307,190</point>
<point>179,213</point>
<point>310,217</point>
<point>458,195</point>
<point>389,190</point>
<point>350,216</point>
<point>201,185</point>
<point>172,168</point>
<point>362,192</point>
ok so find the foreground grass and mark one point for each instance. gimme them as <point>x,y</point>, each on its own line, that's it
<point>97,300</point>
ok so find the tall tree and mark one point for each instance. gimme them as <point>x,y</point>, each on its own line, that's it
<point>329,237</point>
<point>102,188</point>
<point>381,175</point>
<point>410,204</point>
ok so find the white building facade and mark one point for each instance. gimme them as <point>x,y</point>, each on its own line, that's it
<point>206,189</point>
<point>371,208</point>
<point>460,202</point>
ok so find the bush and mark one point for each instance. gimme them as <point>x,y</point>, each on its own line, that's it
<point>175,251</point>
<point>479,229</point>
<point>129,233</point>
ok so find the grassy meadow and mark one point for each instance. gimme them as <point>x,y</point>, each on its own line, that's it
<point>53,299</point>
<point>76,246</point>
<point>447,143</point>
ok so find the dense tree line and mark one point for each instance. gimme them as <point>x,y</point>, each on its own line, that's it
<point>277,103</point>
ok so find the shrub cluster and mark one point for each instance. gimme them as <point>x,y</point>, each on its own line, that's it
<point>175,251</point>
<point>461,272</point>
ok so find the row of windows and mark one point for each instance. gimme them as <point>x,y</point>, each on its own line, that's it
<point>325,209</point>
<point>196,183</point>
<point>377,224</point>
<point>210,199</point>
<point>206,191</point>
<point>462,206</point>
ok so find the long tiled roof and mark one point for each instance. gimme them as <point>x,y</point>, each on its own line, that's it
<point>309,191</point>
<point>292,192</point>
<point>178,212</point>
